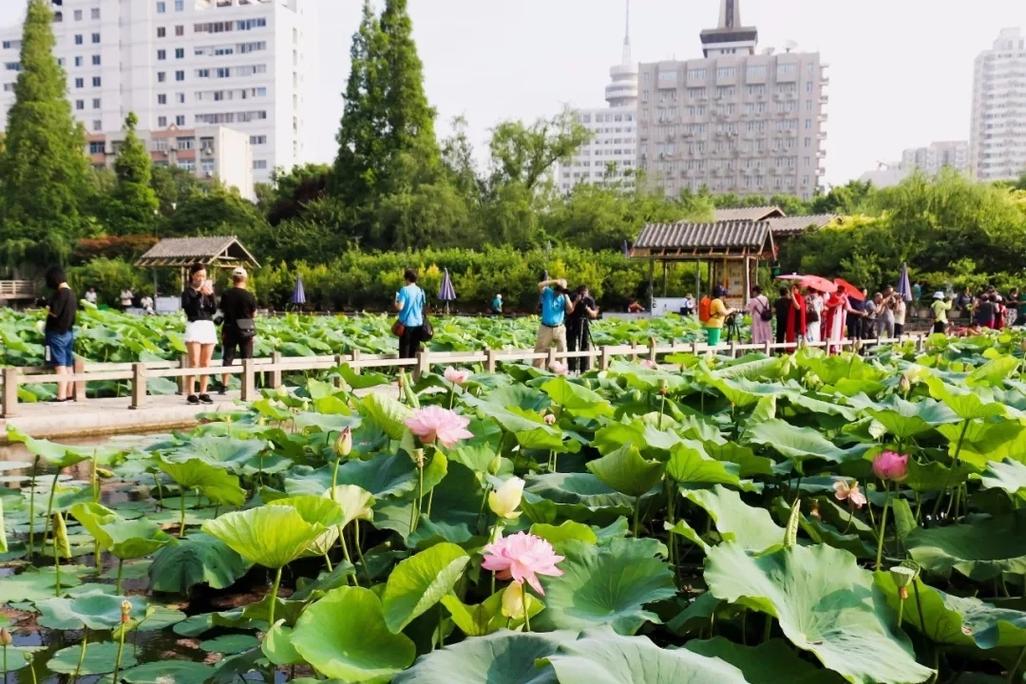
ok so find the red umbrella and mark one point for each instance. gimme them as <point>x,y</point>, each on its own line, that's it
<point>849,289</point>
<point>819,283</point>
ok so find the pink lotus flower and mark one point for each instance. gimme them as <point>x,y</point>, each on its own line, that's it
<point>435,423</point>
<point>844,491</point>
<point>559,368</point>
<point>891,466</point>
<point>456,376</point>
<point>650,364</point>
<point>550,418</point>
<point>522,557</point>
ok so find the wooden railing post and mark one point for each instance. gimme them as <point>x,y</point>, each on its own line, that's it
<point>551,359</point>
<point>423,364</point>
<point>79,388</point>
<point>355,364</point>
<point>604,357</point>
<point>768,347</point>
<point>10,396</point>
<point>275,370</point>
<point>733,349</point>
<point>138,385</point>
<point>248,380</point>
<point>183,362</point>
<point>491,360</point>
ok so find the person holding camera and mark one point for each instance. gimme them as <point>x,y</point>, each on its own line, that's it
<point>199,306</point>
<point>578,328</point>
<point>238,329</point>
<point>555,306</point>
<point>718,313</point>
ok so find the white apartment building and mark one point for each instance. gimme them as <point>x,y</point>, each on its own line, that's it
<point>181,63</point>
<point>733,121</point>
<point>930,160</point>
<point>207,152</point>
<point>999,109</point>
<point>610,155</point>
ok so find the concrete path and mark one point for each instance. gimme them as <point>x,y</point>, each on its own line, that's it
<point>99,417</point>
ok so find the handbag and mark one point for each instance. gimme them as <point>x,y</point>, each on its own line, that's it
<point>427,331</point>
<point>246,328</point>
<point>398,328</point>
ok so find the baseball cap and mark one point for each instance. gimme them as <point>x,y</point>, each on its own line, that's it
<point>240,272</point>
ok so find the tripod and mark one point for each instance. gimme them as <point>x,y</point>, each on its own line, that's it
<point>733,326</point>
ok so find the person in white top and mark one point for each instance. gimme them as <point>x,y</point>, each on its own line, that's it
<point>90,295</point>
<point>813,315</point>
<point>126,298</point>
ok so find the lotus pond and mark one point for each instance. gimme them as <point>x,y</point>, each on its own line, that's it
<point>796,518</point>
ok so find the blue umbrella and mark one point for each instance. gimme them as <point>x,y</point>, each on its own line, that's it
<point>904,285</point>
<point>298,293</point>
<point>446,292</point>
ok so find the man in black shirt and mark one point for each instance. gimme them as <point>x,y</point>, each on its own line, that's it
<point>238,306</point>
<point>782,307</point>
<point>578,328</point>
<point>59,335</point>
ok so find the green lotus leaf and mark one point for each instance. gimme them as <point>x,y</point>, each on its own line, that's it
<point>386,413</point>
<point>768,663</point>
<point>985,442</point>
<point>502,658</point>
<point>626,471</point>
<point>198,559</point>
<point>966,404</point>
<point>558,535</point>
<point>125,539</point>
<point>271,536</point>
<point>37,584</point>
<point>748,463</point>
<point>576,488</point>
<point>229,644</point>
<point>316,510</point>
<point>420,581</point>
<point>576,398</point>
<point>277,645</point>
<point>980,550</point>
<point>752,528</point>
<point>168,672</point>
<point>607,585</point>
<point>801,443</point>
<point>213,482</point>
<point>356,502</point>
<point>58,455</point>
<point>955,620</point>
<point>603,657</point>
<point>994,372</point>
<point>689,464</point>
<point>1008,475</point>
<point>234,454</point>
<point>94,610</point>
<point>344,635</point>
<point>99,659</point>
<point>486,617</point>
<point>825,603</point>
<point>905,419</point>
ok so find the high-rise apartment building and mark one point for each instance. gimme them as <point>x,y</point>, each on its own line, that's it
<point>951,154</point>
<point>611,154</point>
<point>733,121</point>
<point>181,64</point>
<point>999,109</point>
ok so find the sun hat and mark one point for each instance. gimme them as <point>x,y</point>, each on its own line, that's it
<point>239,272</point>
<point>938,295</point>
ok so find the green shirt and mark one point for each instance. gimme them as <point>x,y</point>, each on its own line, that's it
<point>940,310</point>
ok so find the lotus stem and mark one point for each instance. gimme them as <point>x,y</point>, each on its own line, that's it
<point>452,395</point>
<point>56,567</point>
<point>901,611</point>
<point>121,650</point>
<point>359,551</point>
<point>117,580</point>
<point>327,560</point>
<point>32,510</point>
<point>415,511</point>
<point>181,513</point>
<point>883,527</point>
<point>160,491</point>
<point>49,505</point>
<point>954,464</point>
<point>1015,668</point>
<point>81,654</point>
<point>345,547</point>
<point>637,514</point>
<point>274,598</point>
<point>5,661</point>
<point>527,613</point>
<point>334,476</point>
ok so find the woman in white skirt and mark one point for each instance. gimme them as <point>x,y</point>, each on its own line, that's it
<point>199,306</point>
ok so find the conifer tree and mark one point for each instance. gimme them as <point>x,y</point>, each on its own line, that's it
<point>133,203</point>
<point>43,169</point>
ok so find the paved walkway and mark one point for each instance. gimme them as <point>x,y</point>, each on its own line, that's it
<point>99,417</point>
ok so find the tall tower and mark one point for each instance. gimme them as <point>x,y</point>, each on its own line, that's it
<point>622,90</point>
<point>999,109</point>
<point>730,37</point>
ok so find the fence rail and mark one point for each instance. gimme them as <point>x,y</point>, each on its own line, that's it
<point>274,367</point>
<point>17,289</point>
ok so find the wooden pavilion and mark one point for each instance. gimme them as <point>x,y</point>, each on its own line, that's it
<point>217,252</point>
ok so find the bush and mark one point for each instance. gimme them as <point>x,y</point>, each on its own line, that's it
<point>109,277</point>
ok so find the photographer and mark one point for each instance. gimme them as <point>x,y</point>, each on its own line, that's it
<point>718,313</point>
<point>555,306</point>
<point>579,328</point>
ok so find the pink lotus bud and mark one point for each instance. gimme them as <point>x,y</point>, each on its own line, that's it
<point>891,466</point>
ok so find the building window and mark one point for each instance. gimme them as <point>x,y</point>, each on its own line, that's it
<point>11,44</point>
<point>161,31</point>
<point>162,99</point>
<point>96,38</point>
<point>97,82</point>
<point>258,140</point>
<point>161,55</point>
<point>79,105</point>
<point>96,147</point>
<point>162,121</point>
<point>96,103</point>
<point>180,30</point>
<point>180,97</point>
<point>94,13</point>
<point>96,60</point>
<point>79,39</point>
<point>179,75</point>
<point>78,61</point>
<point>80,83</point>
<point>179,53</point>
<point>78,15</point>
<point>259,164</point>
<point>180,120</point>
<point>97,125</point>
<point>161,76</point>
<point>179,5</point>
<point>161,7</point>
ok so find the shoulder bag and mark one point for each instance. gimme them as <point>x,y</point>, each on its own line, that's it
<point>246,328</point>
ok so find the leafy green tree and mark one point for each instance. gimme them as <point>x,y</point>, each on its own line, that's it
<point>524,154</point>
<point>133,204</point>
<point>43,170</point>
<point>173,185</point>
<point>216,210</point>
<point>290,193</point>
<point>458,160</point>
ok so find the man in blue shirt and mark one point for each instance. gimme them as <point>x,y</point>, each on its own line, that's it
<point>555,305</point>
<point>409,302</point>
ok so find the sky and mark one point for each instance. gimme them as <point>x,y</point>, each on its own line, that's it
<point>900,70</point>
